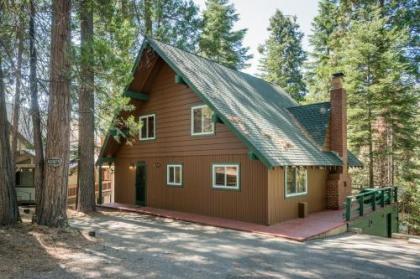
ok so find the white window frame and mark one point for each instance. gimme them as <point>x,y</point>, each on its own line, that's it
<point>238,176</point>
<point>147,126</point>
<point>168,166</point>
<point>285,182</point>
<point>202,122</point>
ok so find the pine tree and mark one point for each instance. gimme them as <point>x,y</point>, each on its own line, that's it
<point>86,165</point>
<point>218,41</point>
<point>8,205</point>
<point>323,40</point>
<point>176,22</point>
<point>53,209</point>
<point>283,56</point>
<point>381,102</point>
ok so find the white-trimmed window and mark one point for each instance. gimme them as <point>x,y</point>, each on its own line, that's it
<point>201,120</point>
<point>148,127</point>
<point>296,181</point>
<point>174,174</point>
<point>226,176</point>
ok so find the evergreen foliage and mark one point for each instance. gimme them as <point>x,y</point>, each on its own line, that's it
<point>283,56</point>
<point>218,41</point>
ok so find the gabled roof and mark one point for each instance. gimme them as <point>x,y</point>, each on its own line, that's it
<point>255,110</point>
<point>315,118</point>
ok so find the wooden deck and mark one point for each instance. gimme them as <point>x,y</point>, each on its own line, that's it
<point>316,225</point>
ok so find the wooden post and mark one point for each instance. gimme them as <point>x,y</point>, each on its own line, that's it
<point>100,184</point>
<point>395,194</point>
<point>348,208</point>
<point>361,204</point>
<point>373,201</point>
<point>382,197</point>
<point>389,190</point>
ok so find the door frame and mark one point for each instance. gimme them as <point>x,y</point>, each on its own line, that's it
<point>142,164</point>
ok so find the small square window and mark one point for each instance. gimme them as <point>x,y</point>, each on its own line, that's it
<point>148,127</point>
<point>201,120</point>
<point>296,181</point>
<point>226,176</point>
<point>174,175</point>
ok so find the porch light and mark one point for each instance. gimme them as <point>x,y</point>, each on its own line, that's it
<point>132,166</point>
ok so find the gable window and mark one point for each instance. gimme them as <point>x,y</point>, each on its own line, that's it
<point>296,181</point>
<point>174,175</point>
<point>226,176</point>
<point>201,120</point>
<point>148,127</point>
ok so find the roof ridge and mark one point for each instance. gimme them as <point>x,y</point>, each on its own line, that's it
<point>307,105</point>
<point>215,62</point>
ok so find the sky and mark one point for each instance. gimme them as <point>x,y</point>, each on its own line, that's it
<point>255,14</point>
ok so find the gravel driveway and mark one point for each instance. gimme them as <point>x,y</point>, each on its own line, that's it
<point>139,246</point>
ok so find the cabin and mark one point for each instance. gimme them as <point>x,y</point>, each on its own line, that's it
<point>25,163</point>
<point>219,142</point>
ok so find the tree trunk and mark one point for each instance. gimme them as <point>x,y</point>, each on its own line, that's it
<point>148,18</point>
<point>16,108</point>
<point>54,195</point>
<point>86,179</point>
<point>36,117</point>
<point>8,203</point>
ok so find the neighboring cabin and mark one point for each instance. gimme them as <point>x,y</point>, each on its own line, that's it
<point>25,190</point>
<point>219,142</point>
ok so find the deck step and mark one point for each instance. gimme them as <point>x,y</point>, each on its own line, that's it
<point>336,231</point>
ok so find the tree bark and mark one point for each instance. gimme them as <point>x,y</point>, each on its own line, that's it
<point>8,203</point>
<point>54,195</point>
<point>86,179</point>
<point>16,107</point>
<point>36,116</point>
<point>148,18</point>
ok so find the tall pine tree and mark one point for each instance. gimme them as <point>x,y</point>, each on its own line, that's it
<point>176,22</point>
<point>283,56</point>
<point>218,41</point>
<point>323,41</point>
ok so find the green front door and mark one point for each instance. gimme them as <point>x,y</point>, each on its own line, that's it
<point>141,183</point>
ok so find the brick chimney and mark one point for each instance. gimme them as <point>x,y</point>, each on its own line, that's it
<point>338,181</point>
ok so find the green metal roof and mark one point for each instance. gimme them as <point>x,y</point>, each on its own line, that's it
<point>254,109</point>
<point>314,118</point>
<point>258,112</point>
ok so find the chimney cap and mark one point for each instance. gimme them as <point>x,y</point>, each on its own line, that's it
<point>338,74</point>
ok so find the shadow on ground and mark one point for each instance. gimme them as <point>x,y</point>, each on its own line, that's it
<point>130,245</point>
<point>150,247</point>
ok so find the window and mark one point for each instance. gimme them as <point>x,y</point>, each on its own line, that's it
<point>226,176</point>
<point>296,182</point>
<point>148,127</point>
<point>174,175</point>
<point>201,120</point>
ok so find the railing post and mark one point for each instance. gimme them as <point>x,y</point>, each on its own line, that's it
<point>100,185</point>
<point>373,201</point>
<point>361,204</point>
<point>382,197</point>
<point>395,194</point>
<point>348,208</point>
<point>389,190</point>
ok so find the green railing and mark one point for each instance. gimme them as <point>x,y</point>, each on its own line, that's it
<point>368,200</point>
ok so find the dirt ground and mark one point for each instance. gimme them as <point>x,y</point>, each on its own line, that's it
<point>129,245</point>
<point>27,250</point>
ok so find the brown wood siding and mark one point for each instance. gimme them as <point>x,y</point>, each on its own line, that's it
<point>172,104</point>
<point>197,195</point>
<point>281,208</point>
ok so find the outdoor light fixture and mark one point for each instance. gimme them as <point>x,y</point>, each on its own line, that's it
<point>132,166</point>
